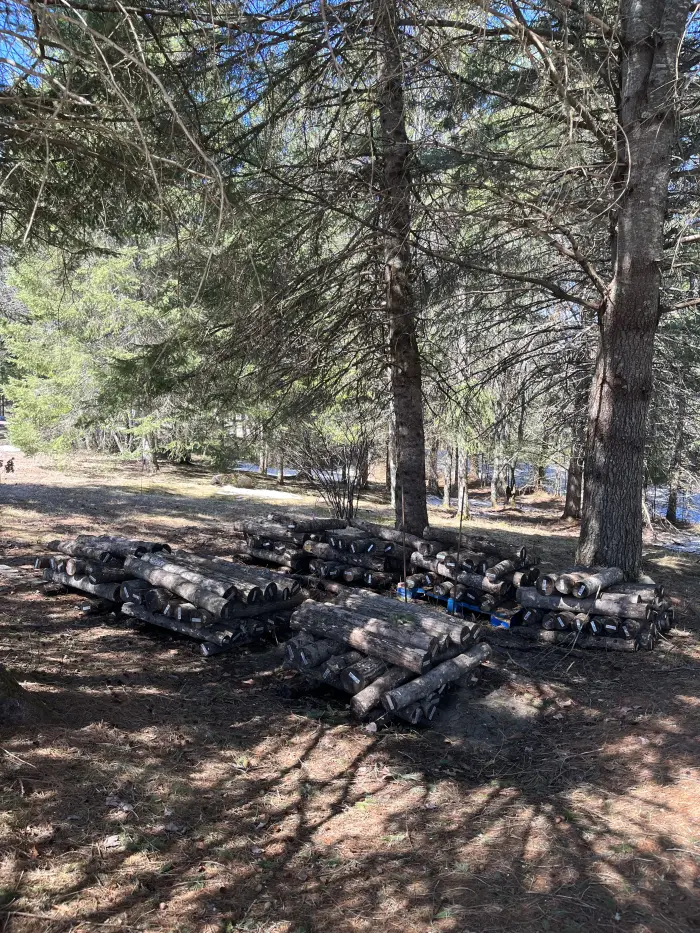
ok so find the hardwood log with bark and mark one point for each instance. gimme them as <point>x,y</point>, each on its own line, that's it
<point>225,589</point>
<point>103,573</point>
<point>327,553</point>
<point>335,665</point>
<point>502,589</point>
<point>297,641</point>
<point>74,548</point>
<point>353,574</point>
<point>377,580</point>
<point>215,637</point>
<point>234,570</point>
<point>419,617</point>
<point>565,583</point>
<point>546,583</point>
<point>124,547</point>
<point>306,523</point>
<point>394,535</point>
<point>340,625</point>
<point>502,569</point>
<point>358,676</point>
<point>133,591</point>
<point>177,584</point>
<point>443,674</point>
<point>315,653</point>
<point>477,543</point>
<point>371,697</point>
<point>590,585</point>
<point>156,599</point>
<point>528,597</point>
<point>526,577</point>
<point>109,591</point>
<point>645,592</point>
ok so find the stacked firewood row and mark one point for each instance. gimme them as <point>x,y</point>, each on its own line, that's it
<point>323,549</point>
<point>472,570</point>
<point>217,602</point>
<point>598,607</point>
<point>394,659</point>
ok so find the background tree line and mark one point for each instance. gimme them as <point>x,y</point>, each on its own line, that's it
<point>473,222</point>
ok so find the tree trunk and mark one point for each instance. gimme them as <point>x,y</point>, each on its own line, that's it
<point>611,526</point>
<point>395,211</point>
<point>574,488</point>
<point>433,478</point>
<point>674,473</point>
<point>447,479</point>
<point>280,475</point>
<point>391,457</point>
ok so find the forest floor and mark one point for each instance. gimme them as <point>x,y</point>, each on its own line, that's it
<point>169,792</point>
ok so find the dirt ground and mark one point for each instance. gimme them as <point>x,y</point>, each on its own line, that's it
<point>168,792</point>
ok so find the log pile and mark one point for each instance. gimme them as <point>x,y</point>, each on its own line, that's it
<point>214,601</point>
<point>598,608</point>
<point>477,573</point>
<point>394,660</point>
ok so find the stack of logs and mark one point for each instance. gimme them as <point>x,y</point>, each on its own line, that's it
<point>323,550</point>
<point>215,601</point>
<point>394,659</point>
<point>598,607</point>
<point>475,572</point>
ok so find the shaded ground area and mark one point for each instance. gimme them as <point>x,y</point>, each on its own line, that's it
<point>177,793</point>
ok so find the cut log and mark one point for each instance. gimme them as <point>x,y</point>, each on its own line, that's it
<point>124,547</point>
<point>315,653</point>
<point>306,523</point>
<point>336,664</point>
<point>414,615</point>
<point>340,625</point>
<point>546,584</point>
<point>592,584</point>
<point>133,591</point>
<point>103,573</point>
<point>528,597</point>
<point>327,553</point>
<point>42,563</point>
<point>377,580</point>
<point>645,592</point>
<point>443,674</point>
<point>567,581</point>
<point>501,588</point>
<point>297,641</point>
<point>74,548</point>
<point>156,599</point>
<point>387,534</point>
<point>502,569</point>
<point>215,637</point>
<point>353,574</point>
<point>371,697</point>
<point>357,676</point>
<point>450,536</point>
<point>189,591</point>
<point>248,592</point>
<point>104,591</point>
<point>526,577</point>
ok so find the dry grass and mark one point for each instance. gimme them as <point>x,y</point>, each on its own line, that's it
<point>181,794</point>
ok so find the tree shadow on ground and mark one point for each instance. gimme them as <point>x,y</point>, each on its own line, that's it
<point>182,793</point>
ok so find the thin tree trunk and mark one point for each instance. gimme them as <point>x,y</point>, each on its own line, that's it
<point>391,453</point>
<point>395,210</point>
<point>674,473</point>
<point>611,527</point>
<point>433,478</point>
<point>280,475</point>
<point>574,488</point>
<point>447,478</point>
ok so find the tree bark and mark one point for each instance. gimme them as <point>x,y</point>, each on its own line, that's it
<point>433,477</point>
<point>395,212</point>
<point>574,488</point>
<point>443,674</point>
<point>611,525</point>
<point>447,479</point>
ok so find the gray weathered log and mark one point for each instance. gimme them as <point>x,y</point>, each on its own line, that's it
<point>74,548</point>
<point>371,697</point>
<point>502,569</point>
<point>387,534</point>
<point>327,553</point>
<point>225,589</point>
<point>306,523</point>
<point>338,624</point>
<point>315,653</point>
<point>443,674</point>
<point>377,579</point>
<point>565,583</point>
<point>106,591</point>
<point>134,590</point>
<point>179,585</point>
<point>419,617</point>
<point>450,536</point>
<point>592,584</point>
<point>124,547</point>
<point>501,588</point>
<point>529,597</point>
<point>215,637</point>
<point>358,676</point>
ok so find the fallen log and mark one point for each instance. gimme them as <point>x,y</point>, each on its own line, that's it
<point>353,574</point>
<point>104,591</point>
<point>337,624</point>
<point>228,570</point>
<point>124,547</point>
<point>72,547</point>
<point>306,523</point>
<point>214,637</point>
<point>526,577</point>
<point>371,697</point>
<point>443,674</point>
<point>592,584</point>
